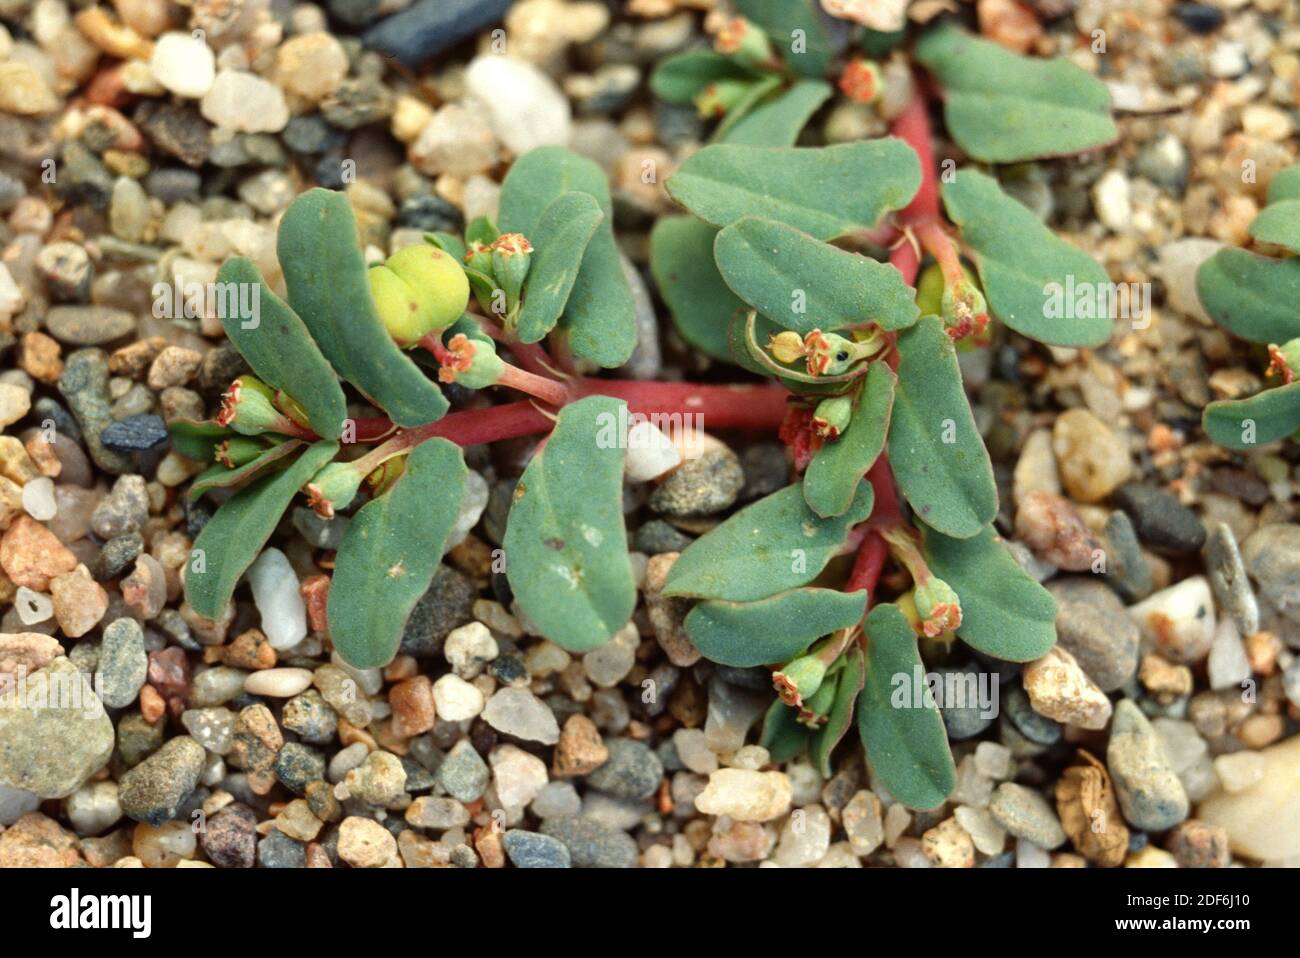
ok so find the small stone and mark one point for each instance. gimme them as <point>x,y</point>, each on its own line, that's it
<point>257,742</point>
<point>154,790</point>
<point>31,556</point>
<point>135,433</point>
<point>212,728</point>
<point>469,648</point>
<point>310,718</point>
<point>988,837</point>
<point>79,602</point>
<point>631,772</point>
<point>123,510</point>
<point>312,65</point>
<point>745,795</point>
<point>230,838</point>
<point>609,664</point>
<point>519,713</point>
<point>524,106</point>
<point>1227,574</point>
<point>1179,620</point>
<point>26,652</point>
<point>1161,521</point>
<point>379,780</point>
<point>533,850</point>
<point>650,454</point>
<point>1198,845</point>
<point>948,845</point>
<point>183,64</point>
<point>516,775</point>
<point>123,662</point>
<point>1090,814</point>
<point>1059,689</point>
<point>245,103</point>
<point>1094,627</point>
<point>1263,820</point>
<point>1027,815</point>
<point>994,761</point>
<point>457,700</point>
<point>1239,771</point>
<point>278,850</point>
<point>1150,793</point>
<point>364,843</point>
<point>463,773</point>
<point>592,845</point>
<point>414,711</point>
<point>1052,527</point>
<point>1272,557</point>
<point>862,823</point>
<point>457,141</point>
<point>14,403</point>
<point>1127,571</point>
<point>1093,461</point>
<point>703,486</point>
<point>281,683</point>
<point>580,749</point>
<point>277,595</point>
<point>1227,665</point>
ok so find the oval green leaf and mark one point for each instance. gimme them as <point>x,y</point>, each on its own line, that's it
<point>779,121</point>
<point>838,720</point>
<point>278,346</point>
<point>773,545</point>
<point>1001,107</point>
<point>1251,296</point>
<point>803,284</point>
<point>233,537</point>
<point>559,241</point>
<point>1032,278</point>
<point>599,318</point>
<point>832,478</point>
<point>565,542</point>
<point>328,288</point>
<point>825,191</point>
<point>390,552</point>
<point>681,261</point>
<point>797,31</point>
<point>901,728</point>
<point>1249,423</point>
<point>772,630</point>
<point>1004,612</point>
<point>935,448</point>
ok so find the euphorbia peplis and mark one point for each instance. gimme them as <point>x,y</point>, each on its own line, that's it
<point>769,273</point>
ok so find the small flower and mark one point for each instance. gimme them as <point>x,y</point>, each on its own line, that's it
<point>861,81</point>
<point>248,407</point>
<point>832,416</point>
<point>332,488</point>
<point>799,680</point>
<point>473,363</point>
<point>719,97</point>
<point>965,312</point>
<point>1285,360</point>
<point>786,346</point>
<point>815,712</point>
<point>828,354</point>
<point>511,257</point>
<point>237,451</point>
<point>741,39</point>
<point>938,606</point>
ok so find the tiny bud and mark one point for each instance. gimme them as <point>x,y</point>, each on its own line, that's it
<point>1284,360</point>
<point>786,346</point>
<point>965,312</point>
<point>473,363</point>
<point>938,606</point>
<point>832,416</point>
<point>511,257</point>
<point>815,711</point>
<point>741,39</point>
<point>717,98</point>
<point>248,407</point>
<point>799,680</point>
<point>861,81</point>
<point>829,354</point>
<point>333,487</point>
<point>237,451</point>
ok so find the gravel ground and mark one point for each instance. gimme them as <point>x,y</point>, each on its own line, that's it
<point>135,152</point>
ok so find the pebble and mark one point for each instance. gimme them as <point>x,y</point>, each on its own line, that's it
<point>609,664</point>
<point>949,845</point>
<point>379,780</point>
<point>1179,620</point>
<point>278,598</point>
<point>1027,815</point>
<point>745,795</point>
<point>988,837</point>
<point>183,64</point>
<point>446,605</point>
<point>1272,557</point>
<point>1093,461</point>
<point>123,663</point>
<point>703,486</point>
<point>88,325</point>
<point>463,773</point>
<point>457,140</point>
<point>533,850</point>
<point>281,683</point>
<point>154,790</point>
<point>31,556</point>
<point>1161,521</point>
<point>1094,627</point>
<point>519,713</point>
<point>650,454</point>
<point>135,433</point>
<point>631,772</point>
<point>94,808</point>
<point>79,601</point>
<point>1059,689</point>
<point>580,749</point>
<point>1228,580</point>
<point>1052,527</point>
<point>524,106</point>
<point>457,700</point>
<point>517,776</point>
<point>364,843</point>
<point>229,839</point>
<point>15,402</point>
<point>805,838</point>
<point>430,27</point>
<point>1150,794</point>
<point>1227,665</point>
<point>311,65</point>
<point>591,844</point>
<point>1238,771</point>
<point>245,103</point>
<point>1263,820</point>
<point>469,648</point>
<point>124,510</point>
<point>1196,844</point>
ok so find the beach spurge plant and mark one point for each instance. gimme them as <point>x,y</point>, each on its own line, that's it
<point>795,264</point>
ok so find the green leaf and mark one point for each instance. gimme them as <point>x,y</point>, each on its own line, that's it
<point>793,25</point>
<point>448,243</point>
<point>778,122</point>
<point>328,288</point>
<point>904,738</point>
<point>560,239</point>
<point>220,477</point>
<point>233,537</point>
<point>775,544</point>
<point>832,478</point>
<point>1004,612</point>
<point>678,78</point>
<point>276,343</point>
<point>935,448</point>
<point>783,736</point>
<point>481,229</point>
<point>681,260</point>
<point>1251,296</point>
<point>803,284</point>
<point>1001,107</point>
<point>197,440</point>
<point>825,191</point>
<point>758,91</point>
<point>390,553</point>
<point>1249,423</point>
<point>776,629</point>
<point>1019,259</point>
<point>840,717</point>
<point>565,542</point>
<point>600,316</point>
<point>1279,223</point>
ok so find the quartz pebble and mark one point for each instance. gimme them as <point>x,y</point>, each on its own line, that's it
<point>278,598</point>
<point>455,699</point>
<point>1179,621</point>
<point>745,795</point>
<point>519,713</point>
<point>1059,689</point>
<point>282,683</point>
<point>1263,819</point>
<point>184,64</point>
<point>524,106</point>
<point>245,103</point>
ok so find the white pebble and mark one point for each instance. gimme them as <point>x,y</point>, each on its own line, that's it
<point>245,103</point>
<point>33,607</point>
<point>1227,667</point>
<point>276,595</point>
<point>472,505</point>
<point>650,453</point>
<point>1029,855</point>
<point>183,64</point>
<point>523,104</point>
<point>455,699</point>
<point>38,499</point>
<point>1238,771</point>
<point>469,648</point>
<point>278,683</point>
<point>94,807</point>
<point>15,401</point>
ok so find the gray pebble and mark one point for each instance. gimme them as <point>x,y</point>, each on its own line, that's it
<point>592,845</point>
<point>1161,521</point>
<point>703,486</point>
<point>632,770</point>
<point>1027,814</point>
<point>1093,626</point>
<point>534,850</point>
<point>123,664</point>
<point>1227,575</point>
<point>463,773</point>
<point>154,790</point>
<point>1149,792</point>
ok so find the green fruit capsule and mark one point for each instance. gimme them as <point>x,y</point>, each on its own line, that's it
<point>419,290</point>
